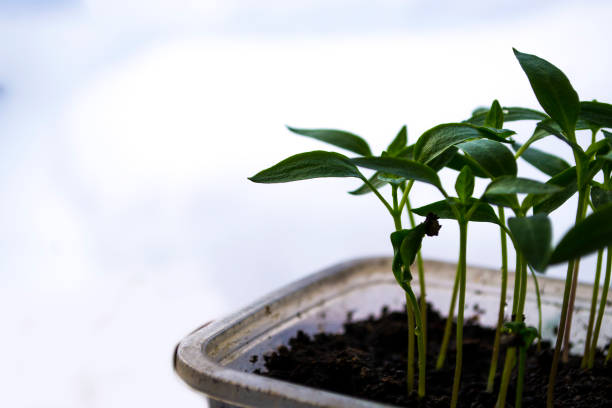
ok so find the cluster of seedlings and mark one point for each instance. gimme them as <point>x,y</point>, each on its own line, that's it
<point>483,147</point>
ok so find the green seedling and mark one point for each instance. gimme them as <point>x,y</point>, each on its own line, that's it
<point>523,336</point>
<point>480,147</point>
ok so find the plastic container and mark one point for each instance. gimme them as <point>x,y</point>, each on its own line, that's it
<point>215,358</point>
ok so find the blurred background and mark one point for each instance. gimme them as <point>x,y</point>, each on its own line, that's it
<point>128,131</point>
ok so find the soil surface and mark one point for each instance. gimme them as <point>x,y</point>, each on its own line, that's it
<point>369,361</point>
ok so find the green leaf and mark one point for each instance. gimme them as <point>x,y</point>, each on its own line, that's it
<point>483,213</point>
<point>399,142</point>
<point>496,159</point>
<point>552,89</point>
<point>550,202</point>
<point>511,114</point>
<point>408,169</point>
<point>550,127</point>
<point>464,186</point>
<point>457,162</point>
<point>516,113</point>
<point>533,236</point>
<point>308,165</point>
<point>405,152</point>
<point>443,159</point>
<point>495,116</point>
<point>406,244</point>
<point>589,235</point>
<point>596,114</point>
<point>391,179</point>
<point>600,197</point>
<point>546,163</point>
<point>439,138</point>
<point>519,185</point>
<point>375,181</point>
<point>339,138</point>
<point>503,200</point>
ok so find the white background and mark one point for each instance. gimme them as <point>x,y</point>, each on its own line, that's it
<point>127,131</point>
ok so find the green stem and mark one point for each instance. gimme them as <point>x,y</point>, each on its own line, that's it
<point>518,402</point>
<point>420,343</point>
<point>410,359</point>
<point>404,199</point>
<point>502,304</point>
<point>421,269</point>
<point>521,304</point>
<point>516,297</point>
<point>602,306</point>
<point>505,381</point>
<point>511,352</point>
<point>449,323</point>
<point>539,301</point>
<point>412,309</point>
<point>550,391</point>
<point>462,281</point>
<point>594,296</point>
<point>566,342</point>
<point>380,197</point>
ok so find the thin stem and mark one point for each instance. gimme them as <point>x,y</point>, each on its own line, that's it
<point>521,304</point>
<point>405,195</point>
<point>570,312</point>
<point>449,323</point>
<point>602,306</point>
<point>503,387</point>
<point>421,269</point>
<point>550,392</point>
<point>516,297</point>
<point>511,352</point>
<point>410,359</point>
<point>380,197</point>
<point>420,343</point>
<point>594,296</point>
<point>462,280</point>
<point>502,303</point>
<point>539,301</point>
<point>518,402</point>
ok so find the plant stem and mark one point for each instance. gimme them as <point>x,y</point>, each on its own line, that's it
<point>421,269</point>
<point>511,352</point>
<point>550,392</point>
<point>505,380</point>
<point>420,343</point>
<point>602,306</point>
<point>518,402</point>
<point>516,297</point>
<point>412,310</point>
<point>539,301</point>
<point>449,323</point>
<point>587,341</point>
<point>380,197</point>
<point>410,359</point>
<point>502,304</point>
<point>462,280</point>
<point>520,312</point>
<point>566,340</point>
<point>570,313</point>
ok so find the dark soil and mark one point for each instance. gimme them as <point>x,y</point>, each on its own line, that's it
<point>369,361</point>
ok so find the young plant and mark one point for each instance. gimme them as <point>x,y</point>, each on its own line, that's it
<point>560,101</point>
<point>523,337</point>
<point>477,148</point>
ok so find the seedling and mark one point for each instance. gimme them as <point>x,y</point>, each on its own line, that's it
<point>480,147</point>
